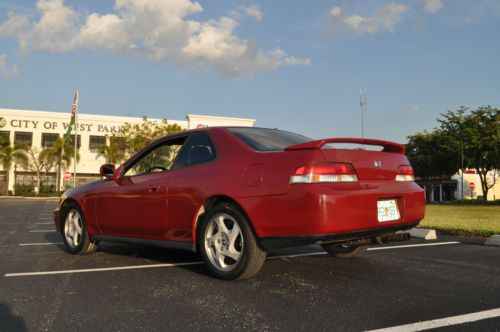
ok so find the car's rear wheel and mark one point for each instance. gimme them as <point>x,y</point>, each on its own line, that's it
<point>228,245</point>
<point>341,250</point>
<point>75,233</point>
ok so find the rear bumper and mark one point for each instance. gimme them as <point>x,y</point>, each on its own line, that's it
<point>278,242</point>
<point>328,210</point>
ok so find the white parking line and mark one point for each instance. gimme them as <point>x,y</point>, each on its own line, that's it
<point>413,245</point>
<point>448,321</point>
<point>41,244</point>
<point>370,249</point>
<point>43,231</point>
<point>101,269</point>
<point>22,274</point>
<point>298,255</point>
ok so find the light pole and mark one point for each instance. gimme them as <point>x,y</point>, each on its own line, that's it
<point>462,166</point>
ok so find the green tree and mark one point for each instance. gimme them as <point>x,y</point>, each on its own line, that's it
<point>40,162</point>
<point>63,152</point>
<point>10,154</point>
<point>114,153</point>
<point>476,136</point>
<point>430,156</point>
<point>137,135</point>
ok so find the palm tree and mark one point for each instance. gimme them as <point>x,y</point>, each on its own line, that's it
<point>113,153</point>
<point>11,154</point>
<point>64,153</point>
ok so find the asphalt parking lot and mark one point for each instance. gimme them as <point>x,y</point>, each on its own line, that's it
<point>127,287</point>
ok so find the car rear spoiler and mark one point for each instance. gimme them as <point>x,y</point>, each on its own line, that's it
<point>318,144</point>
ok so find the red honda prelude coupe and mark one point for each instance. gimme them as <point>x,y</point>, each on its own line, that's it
<point>234,193</point>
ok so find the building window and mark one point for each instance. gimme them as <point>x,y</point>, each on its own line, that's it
<point>71,141</point>
<point>5,134</point>
<point>48,140</point>
<point>23,138</point>
<point>95,142</point>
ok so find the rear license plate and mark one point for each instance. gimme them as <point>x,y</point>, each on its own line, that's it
<point>387,210</point>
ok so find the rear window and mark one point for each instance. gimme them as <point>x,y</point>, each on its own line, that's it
<point>262,139</point>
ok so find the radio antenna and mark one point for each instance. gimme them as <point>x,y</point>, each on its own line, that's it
<point>362,105</point>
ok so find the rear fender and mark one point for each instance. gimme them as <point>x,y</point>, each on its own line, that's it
<point>203,209</point>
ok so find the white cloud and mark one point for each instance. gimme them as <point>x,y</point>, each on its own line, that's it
<point>415,109</point>
<point>4,70</point>
<point>13,24</point>
<point>433,6</point>
<point>335,11</point>
<point>254,11</point>
<point>54,31</point>
<point>244,11</point>
<point>4,67</point>
<point>156,30</point>
<point>385,18</point>
<point>15,69</point>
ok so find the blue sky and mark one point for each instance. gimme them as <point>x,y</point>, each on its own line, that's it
<point>294,65</point>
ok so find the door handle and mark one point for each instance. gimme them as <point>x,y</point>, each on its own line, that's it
<point>154,189</point>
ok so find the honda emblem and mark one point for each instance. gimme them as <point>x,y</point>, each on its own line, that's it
<point>378,163</point>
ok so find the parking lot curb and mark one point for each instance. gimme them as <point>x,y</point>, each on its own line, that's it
<point>493,240</point>
<point>29,197</point>
<point>422,233</point>
<point>43,198</point>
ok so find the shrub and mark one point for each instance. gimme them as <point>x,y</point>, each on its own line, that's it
<point>475,202</point>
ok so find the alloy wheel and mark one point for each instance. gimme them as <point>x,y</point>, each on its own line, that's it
<point>223,242</point>
<point>73,228</point>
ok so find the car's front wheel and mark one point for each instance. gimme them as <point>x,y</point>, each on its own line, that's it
<point>228,245</point>
<point>75,233</point>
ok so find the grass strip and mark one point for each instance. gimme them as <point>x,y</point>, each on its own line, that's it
<point>482,221</point>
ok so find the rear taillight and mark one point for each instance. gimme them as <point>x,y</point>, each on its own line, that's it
<point>405,173</point>
<point>327,172</point>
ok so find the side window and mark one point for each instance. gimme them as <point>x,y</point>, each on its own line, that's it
<point>198,149</point>
<point>160,158</point>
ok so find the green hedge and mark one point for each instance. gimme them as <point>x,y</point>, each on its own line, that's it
<point>29,190</point>
<point>474,202</point>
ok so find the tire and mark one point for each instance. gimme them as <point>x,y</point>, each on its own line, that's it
<point>228,245</point>
<point>341,251</point>
<point>75,233</point>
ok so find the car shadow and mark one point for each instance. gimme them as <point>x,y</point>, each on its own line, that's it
<point>153,254</point>
<point>159,255</point>
<point>9,321</point>
<point>56,239</point>
<point>150,254</point>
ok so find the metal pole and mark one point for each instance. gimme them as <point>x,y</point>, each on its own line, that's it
<point>362,104</point>
<point>76,135</point>
<point>462,165</point>
<point>59,161</point>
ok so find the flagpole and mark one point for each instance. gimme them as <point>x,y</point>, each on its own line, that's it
<point>76,135</point>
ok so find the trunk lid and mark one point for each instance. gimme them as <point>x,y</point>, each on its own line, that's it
<point>369,165</point>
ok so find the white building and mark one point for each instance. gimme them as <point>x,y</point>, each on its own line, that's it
<point>472,185</point>
<point>40,129</point>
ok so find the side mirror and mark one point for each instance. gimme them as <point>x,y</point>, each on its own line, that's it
<point>108,171</point>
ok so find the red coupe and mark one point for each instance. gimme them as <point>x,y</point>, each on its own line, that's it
<point>234,193</point>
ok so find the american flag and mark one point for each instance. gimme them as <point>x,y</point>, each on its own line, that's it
<point>74,109</point>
